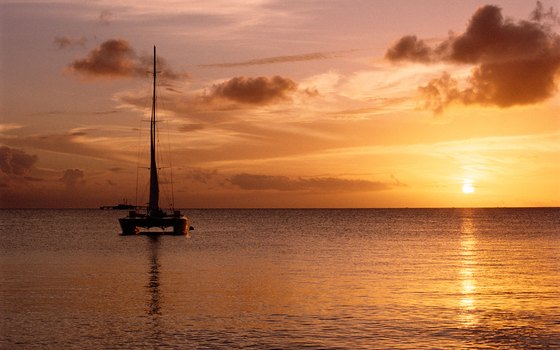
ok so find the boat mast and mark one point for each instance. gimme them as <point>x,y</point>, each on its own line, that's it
<point>153,205</point>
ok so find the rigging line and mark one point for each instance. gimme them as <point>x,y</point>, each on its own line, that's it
<point>137,179</point>
<point>171,170</point>
<point>138,156</point>
<point>160,155</point>
<point>144,191</point>
<point>141,150</point>
<point>170,155</point>
<point>169,158</point>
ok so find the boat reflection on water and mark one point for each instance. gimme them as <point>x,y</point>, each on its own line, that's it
<point>468,271</point>
<point>153,288</point>
<point>154,307</point>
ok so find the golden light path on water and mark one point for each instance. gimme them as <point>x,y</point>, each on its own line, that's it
<point>468,272</point>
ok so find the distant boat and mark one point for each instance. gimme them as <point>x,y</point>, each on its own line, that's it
<point>154,215</point>
<point>120,206</point>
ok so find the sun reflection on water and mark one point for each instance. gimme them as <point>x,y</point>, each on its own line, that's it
<point>467,272</point>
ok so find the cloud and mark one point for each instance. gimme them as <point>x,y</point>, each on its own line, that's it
<point>16,162</point>
<point>191,127</point>
<point>72,143</point>
<point>116,58</point>
<point>72,177</point>
<point>63,42</point>
<point>16,168</point>
<point>9,126</point>
<point>113,58</point>
<point>280,59</point>
<point>255,91</point>
<point>515,63</point>
<point>201,175</point>
<point>33,179</point>
<point>314,184</point>
<point>540,14</point>
<point>410,48</point>
<point>105,17</point>
<point>439,93</point>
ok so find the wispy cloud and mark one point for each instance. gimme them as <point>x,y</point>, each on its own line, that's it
<point>538,142</point>
<point>75,142</point>
<point>313,56</point>
<point>10,126</point>
<point>311,184</point>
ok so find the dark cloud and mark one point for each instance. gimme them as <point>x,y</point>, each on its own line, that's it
<point>113,58</point>
<point>257,91</point>
<point>410,48</point>
<point>72,177</point>
<point>316,184</point>
<point>78,133</point>
<point>116,58</point>
<point>492,39</point>
<point>63,42</point>
<point>16,162</point>
<point>515,62</point>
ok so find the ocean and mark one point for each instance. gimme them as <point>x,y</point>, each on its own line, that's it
<point>283,279</point>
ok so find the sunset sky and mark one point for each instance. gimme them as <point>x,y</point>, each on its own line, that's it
<point>273,103</point>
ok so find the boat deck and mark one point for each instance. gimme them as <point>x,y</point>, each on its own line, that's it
<point>132,224</point>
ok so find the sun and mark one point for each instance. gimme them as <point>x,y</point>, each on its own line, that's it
<point>468,187</point>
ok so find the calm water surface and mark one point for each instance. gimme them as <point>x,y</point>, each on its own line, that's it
<point>284,279</point>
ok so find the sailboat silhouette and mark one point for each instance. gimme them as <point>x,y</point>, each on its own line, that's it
<point>154,215</point>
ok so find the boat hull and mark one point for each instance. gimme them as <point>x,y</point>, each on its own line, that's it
<point>132,225</point>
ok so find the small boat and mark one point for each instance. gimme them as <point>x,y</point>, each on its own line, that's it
<point>154,215</point>
<point>121,206</point>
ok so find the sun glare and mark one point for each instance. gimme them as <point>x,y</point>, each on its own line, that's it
<point>468,187</point>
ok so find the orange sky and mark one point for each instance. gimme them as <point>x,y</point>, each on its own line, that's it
<point>282,103</point>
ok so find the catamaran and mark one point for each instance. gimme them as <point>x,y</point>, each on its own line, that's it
<point>154,215</point>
